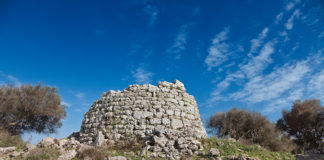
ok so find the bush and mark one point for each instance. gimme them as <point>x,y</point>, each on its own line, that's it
<point>43,154</point>
<point>8,140</point>
<point>94,153</point>
<point>249,127</point>
<point>305,123</point>
<point>119,149</point>
<point>228,147</point>
<point>30,108</point>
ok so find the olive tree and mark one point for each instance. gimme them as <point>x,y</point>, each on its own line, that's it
<point>304,123</point>
<point>30,108</point>
<point>249,127</point>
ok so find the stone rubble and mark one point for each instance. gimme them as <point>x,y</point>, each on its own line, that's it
<point>165,117</point>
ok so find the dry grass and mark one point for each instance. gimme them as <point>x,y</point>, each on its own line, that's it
<point>43,154</point>
<point>8,140</point>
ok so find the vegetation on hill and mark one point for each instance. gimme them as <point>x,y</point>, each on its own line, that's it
<point>305,122</point>
<point>251,128</point>
<point>229,148</point>
<point>303,125</point>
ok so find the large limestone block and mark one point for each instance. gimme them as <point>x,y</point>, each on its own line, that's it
<point>176,123</point>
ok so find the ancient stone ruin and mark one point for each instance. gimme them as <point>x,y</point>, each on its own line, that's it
<point>165,117</point>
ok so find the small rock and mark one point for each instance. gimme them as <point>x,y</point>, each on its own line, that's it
<point>4,151</point>
<point>117,158</point>
<point>180,141</point>
<point>68,155</point>
<point>46,142</point>
<point>29,147</point>
<point>161,141</point>
<point>213,152</point>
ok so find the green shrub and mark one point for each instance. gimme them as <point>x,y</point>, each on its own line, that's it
<point>43,154</point>
<point>8,140</point>
<point>96,153</point>
<point>228,147</point>
<point>253,128</point>
<point>305,123</point>
<point>30,108</point>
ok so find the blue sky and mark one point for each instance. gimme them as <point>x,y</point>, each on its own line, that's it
<point>256,55</point>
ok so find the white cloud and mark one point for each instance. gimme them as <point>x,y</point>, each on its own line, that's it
<point>218,51</point>
<point>256,43</point>
<point>66,104</point>
<point>284,101</point>
<point>316,85</point>
<point>273,85</point>
<point>141,75</point>
<point>180,42</point>
<point>284,34</point>
<point>279,17</point>
<point>257,64</point>
<point>80,95</point>
<point>9,80</point>
<point>14,80</point>
<point>253,67</point>
<point>291,5</point>
<point>152,11</point>
<point>290,23</point>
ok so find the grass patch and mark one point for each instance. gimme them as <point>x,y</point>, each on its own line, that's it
<point>8,140</point>
<point>233,148</point>
<point>43,154</point>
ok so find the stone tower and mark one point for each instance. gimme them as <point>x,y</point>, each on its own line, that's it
<point>164,116</point>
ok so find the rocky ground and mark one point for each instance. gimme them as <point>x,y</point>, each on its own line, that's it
<point>71,149</point>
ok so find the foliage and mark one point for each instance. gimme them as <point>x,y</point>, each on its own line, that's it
<point>8,140</point>
<point>249,127</point>
<point>305,123</point>
<point>229,147</point>
<point>30,108</point>
<point>43,154</point>
<point>120,149</point>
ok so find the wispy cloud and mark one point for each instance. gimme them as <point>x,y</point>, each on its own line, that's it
<point>9,80</point>
<point>258,63</point>
<point>254,66</point>
<point>273,85</point>
<point>279,17</point>
<point>290,23</point>
<point>180,42</point>
<point>152,11</point>
<point>284,101</point>
<point>217,52</point>
<point>80,95</point>
<point>141,75</point>
<point>66,104</point>
<point>316,85</point>
<point>14,80</point>
<point>256,43</point>
<point>272,79</point>
<point>289,6</point>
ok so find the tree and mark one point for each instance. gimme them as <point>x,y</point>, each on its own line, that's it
<point>304,123</point>
<point>30,108</point>
<point>251,127</point>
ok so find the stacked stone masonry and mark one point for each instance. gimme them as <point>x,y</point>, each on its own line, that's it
<point>165,117</point>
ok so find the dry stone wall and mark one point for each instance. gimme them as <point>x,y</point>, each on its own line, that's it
<point>165,117</point>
